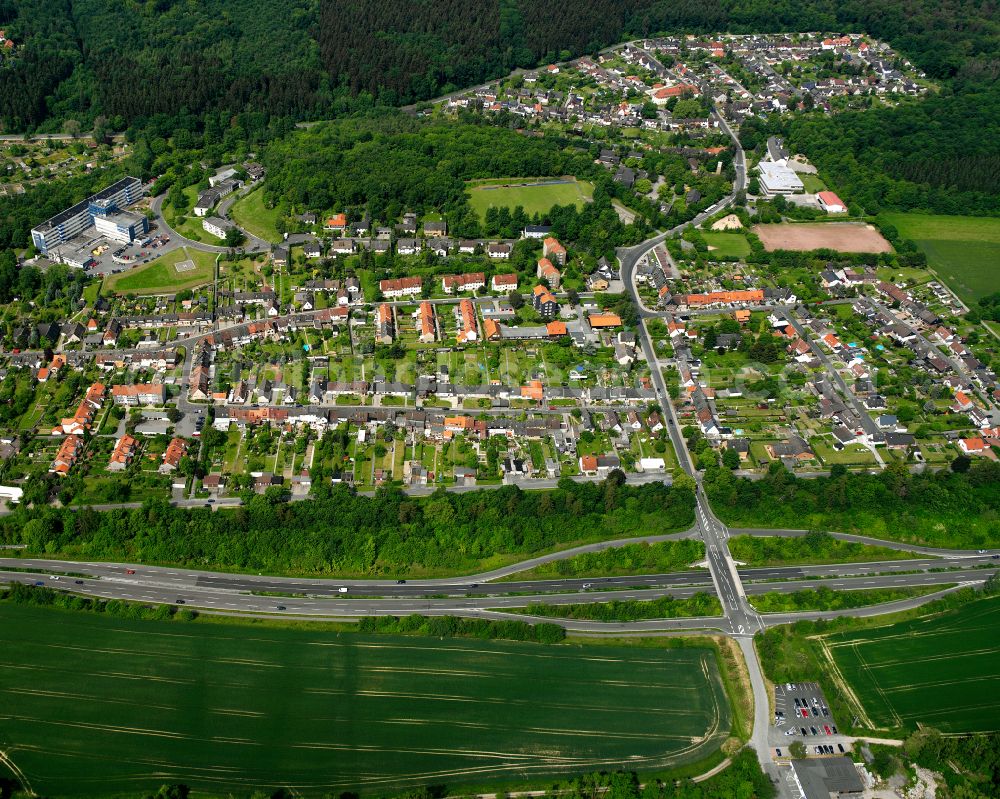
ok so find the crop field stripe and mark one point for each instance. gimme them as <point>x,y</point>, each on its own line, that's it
<point>931,670</point>
<point>229,708</point>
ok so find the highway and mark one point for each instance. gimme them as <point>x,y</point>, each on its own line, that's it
<point>243,593</point>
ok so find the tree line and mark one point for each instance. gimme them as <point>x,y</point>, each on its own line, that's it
<point>938,508</point>
<point>341,532</point>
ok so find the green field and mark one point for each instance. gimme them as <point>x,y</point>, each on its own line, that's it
<point>96,705</point>
<point>532,194</point>
<point>162,277</point>
<point>727,245</point>
<point>812,183</point>
<point>963,250</point>
<point>941,670</point>
<point>250,214</point>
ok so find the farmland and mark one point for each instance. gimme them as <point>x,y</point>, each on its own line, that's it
<point>804,237</point>
<point>534,196</point>
<point>963,250</point>
<point>162,276</point>
<point>233,707</point>
<point>941,670</point>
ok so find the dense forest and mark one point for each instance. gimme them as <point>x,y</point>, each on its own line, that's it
<point>346,533</point>
<point>193,66</point>
<point>383,163</point>
<point>308,58</point>
<point>389,163</point>
<point>943,508</point>
<point>939,155</point>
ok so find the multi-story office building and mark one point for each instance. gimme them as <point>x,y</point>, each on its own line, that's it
<point>78,218</point>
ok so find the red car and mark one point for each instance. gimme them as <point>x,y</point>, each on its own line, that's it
<point>826,730</point>
<point>129,571</point>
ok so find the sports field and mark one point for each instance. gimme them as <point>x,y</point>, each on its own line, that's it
<point>942,670</point>
<point>727,245</point>
<point>963,250</point>
<point>181,269</point>
<point>535,195</point>
<point>98,705</point>
<point>807,236</point>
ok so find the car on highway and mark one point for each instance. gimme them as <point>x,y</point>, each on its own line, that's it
<point>281,607</point>
<point>39,582</point>
<point>78,582</point>
<point>53,576</point>
<point>587,586</point>
<point>181,602</point>
<point>342,590</point>
<point>400,582</point>
<point>129,571</point>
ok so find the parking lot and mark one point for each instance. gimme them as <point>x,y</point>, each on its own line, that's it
<point>801,713</point>
<point>118,257</point>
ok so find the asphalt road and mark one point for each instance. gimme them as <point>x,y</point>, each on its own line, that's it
<point>241,593</point>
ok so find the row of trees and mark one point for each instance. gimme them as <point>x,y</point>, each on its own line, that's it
<point>346,533</point>
<point>942,508</point>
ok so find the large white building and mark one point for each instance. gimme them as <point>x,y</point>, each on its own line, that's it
<point>78,218</point>
<point>121,226</point>
<point>776,177</point>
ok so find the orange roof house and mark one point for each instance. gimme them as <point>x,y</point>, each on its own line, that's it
<point>427,327</point>
<point>556,328</point>
<point>725,297</point>
<point>176,449</point>
<point>67,455</point>
<point>533,391</point>
<point>604,320</point>
<point>336,222</point>
<point>491,329</point>
<point>467,321</point>
<point>124,452</point>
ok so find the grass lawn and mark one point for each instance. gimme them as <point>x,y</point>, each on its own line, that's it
<point>535,195</point>
<point>191,228</point>
<point>812,183</point>
<point>963,250</point>
<point>251,215</point>
<point>939,670</point>
<point>95,705</point>
<point>727,245</point>
<point>827,599</point>
<point>161,276</point>
<point>755,550</point>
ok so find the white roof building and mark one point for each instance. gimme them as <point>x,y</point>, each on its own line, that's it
<point>776,177</point>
